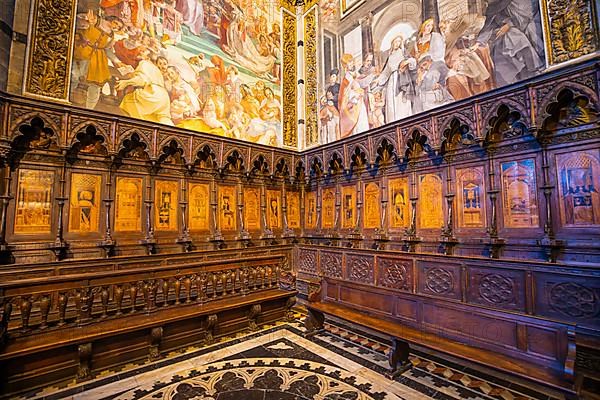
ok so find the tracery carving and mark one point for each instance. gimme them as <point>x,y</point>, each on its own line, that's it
<point>439,281</point>
<point>134,148</point>
<point>331,264</point>
<point>394,274</point>
<point>88,142</point>
<point>206,158</point>
<point>456,134</point>
<point>496,289</point>
<point>360,269</point>
<point>308,261</point>
<point>573,300</point>
<point>507,123</point>
<point>568,110</point>
<point>171,154</point>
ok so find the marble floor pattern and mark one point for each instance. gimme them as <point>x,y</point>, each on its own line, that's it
<point>278,363</point>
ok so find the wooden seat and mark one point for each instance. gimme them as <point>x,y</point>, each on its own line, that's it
<point>403,335</point>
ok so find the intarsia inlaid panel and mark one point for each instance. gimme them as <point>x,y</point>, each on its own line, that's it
<point>274,208</point>
<point>470,194</point>
<point>252,208</point>
<point>372,206</point>
<point>579,183</point>
<point>519,194</point>
<point>199,195</point>
<point>328,211</point>
<point>128,204</point>
<point>399,203</point>
<point>348,206</point>
<point>84,203</point>
<point>431,212</point>
<point>33,214</point>
<point>310,219</point>
<point>227,208</point>
<point>293,209</point>
<point>166,205</point>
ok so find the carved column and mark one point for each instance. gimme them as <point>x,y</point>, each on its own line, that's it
<point>549,242</point>
<point>107,243</point>
<point>287,232</point>
<point>59,247</point>
<point>410,236</point>
<point>495,242</point>
<point>244,235</point>
<point>381,236</point>
<point>447,238</point>
<point>302,209</point>
<point>149,241</point>
<point>184,238</point>
<point>216,235</point>
<point>6,197</point>
<point>318,207</point>
<point>267,231</point>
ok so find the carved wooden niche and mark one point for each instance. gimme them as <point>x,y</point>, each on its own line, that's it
<point>128,204</point>
<point>252,208</point>
<point>84,203</point>
<point>310,219</point>
<point>293,209</point>
<point>33,213</point>
<point>328,218</point>
<point>166,194</point>
<point>372,209</point>
<point>399,203</point>
<point>519,194</point>
<point>579,181</point>
<point>349,206</point>
<point>227,208</point>
<point>470,194</point>
<point>199,207</point>
<point>274,208</point>
<point>431,212</point>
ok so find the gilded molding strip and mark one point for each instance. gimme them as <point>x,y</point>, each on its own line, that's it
<point>310,77</point>
<point>570,31</point>
<point>290,98</point>
<point>50,42</point>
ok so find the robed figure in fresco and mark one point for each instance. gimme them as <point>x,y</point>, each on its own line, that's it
<point>353,110</point>
<point>513,32</point>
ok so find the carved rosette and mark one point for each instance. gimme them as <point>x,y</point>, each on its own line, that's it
<point>51,39</point>
<point>331,264</point>
<point>439,281</point>
<point>360,269</point>
<point>310,77</point>
<point>496,289</point>
<point>308,261</point>
<point>394,274</point>
<point>290,115</point>
<point>569,29</point>
<point>574,300</point>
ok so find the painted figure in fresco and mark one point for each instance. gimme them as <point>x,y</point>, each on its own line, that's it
<point>330,120</point>
<point>270,108</point>
<point>353,111</point>
<point>90,56</point>
<point>334,87</point>
<point>149,99</point>
<point>513,32</point>
<point>396,80</point>
<point>192,12</point>
<point>184,101</point>
<point>430,85</point>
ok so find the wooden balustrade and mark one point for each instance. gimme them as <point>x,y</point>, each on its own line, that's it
<point>32,306</point>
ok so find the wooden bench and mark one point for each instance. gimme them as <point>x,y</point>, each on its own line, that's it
<point>56,328</point>
<point>402,336</point>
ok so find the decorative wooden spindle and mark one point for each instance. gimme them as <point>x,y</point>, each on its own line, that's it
<point>63,299</point>
<point>202,282</point>
<point>104,297</point>
<point>447,238</point>
<point>118,295</point>
<point>187,284</point>
<point>108,244</point>
<point>184,238</point>
<point>149,241</point>
<point>25,308</point>
<point>59,247</point>
<point>177,287</point>
<point>133,292</point>
<point>5,198</point>
<point>213,281</point>
<point>164,287</point>
<point>44,310</point>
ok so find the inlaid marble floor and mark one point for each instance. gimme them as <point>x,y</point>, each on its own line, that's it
<point>278,363</point>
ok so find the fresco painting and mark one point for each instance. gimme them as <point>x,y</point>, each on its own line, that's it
<point>403,58</point>
<point>206,65</point>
